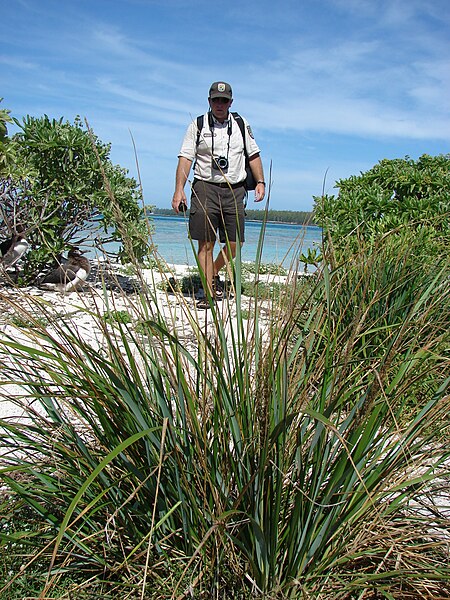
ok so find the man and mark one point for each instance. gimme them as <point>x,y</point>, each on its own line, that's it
<point>217,197</point>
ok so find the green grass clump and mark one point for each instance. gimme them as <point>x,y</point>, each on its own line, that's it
<point>286,450</point>
<point>264,290</point>
<point>253,268</point>
<point>189,284</point>
<point>28,321</point>
<point>118,316</point>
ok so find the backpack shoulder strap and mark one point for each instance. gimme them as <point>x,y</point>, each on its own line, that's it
<point>240,122</point>
<point>200,120</point>
<point>238,119</point>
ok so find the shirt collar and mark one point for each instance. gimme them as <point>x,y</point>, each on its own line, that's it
<point>217,123</point>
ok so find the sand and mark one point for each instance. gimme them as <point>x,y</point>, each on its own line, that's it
<point>80,308</point>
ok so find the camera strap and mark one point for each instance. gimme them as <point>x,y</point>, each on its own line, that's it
<point>211,128</point>
<point>250,182</point>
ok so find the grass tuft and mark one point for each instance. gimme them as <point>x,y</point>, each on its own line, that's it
<point>288,444</point>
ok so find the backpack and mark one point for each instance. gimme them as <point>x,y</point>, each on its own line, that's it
<point>250,182</point>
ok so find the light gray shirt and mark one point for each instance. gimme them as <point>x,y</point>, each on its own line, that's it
<point>228,146</point>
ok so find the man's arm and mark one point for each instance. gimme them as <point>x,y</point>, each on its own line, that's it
<point>183,168</point>
<point>256,166</point>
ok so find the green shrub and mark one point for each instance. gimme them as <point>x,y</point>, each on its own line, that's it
<point>191,284</point>
<point>59,183</point>
<point>118,316</point>
<point>252,268</point>
<point>402,196</point>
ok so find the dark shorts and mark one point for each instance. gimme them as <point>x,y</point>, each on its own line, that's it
<point>215,208</point>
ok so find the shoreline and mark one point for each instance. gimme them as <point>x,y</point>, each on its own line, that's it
<point>294,223</point>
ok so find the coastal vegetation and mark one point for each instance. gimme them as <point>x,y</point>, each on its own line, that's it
<point>297,449</point>
<point>402,198</point>
<point>294,448</point>
<point>52,183</point>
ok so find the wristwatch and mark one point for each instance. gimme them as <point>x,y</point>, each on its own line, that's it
<point>263,182</point>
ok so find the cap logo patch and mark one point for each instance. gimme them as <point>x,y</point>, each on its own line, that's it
<point>221,87</point>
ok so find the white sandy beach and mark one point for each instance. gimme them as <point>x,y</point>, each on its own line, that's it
<point>80,308</point>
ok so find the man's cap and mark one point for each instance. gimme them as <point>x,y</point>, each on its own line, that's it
<point>220,89</point>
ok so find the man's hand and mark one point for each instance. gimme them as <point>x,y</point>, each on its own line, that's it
<point>178,198</point>
<point>258,173</point>
<point>183,168</point>
<point>260,192</point>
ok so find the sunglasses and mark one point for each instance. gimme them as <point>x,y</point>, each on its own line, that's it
<point>220,100</point>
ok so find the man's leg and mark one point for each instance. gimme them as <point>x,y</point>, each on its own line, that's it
<point>227,252</point>
<point>231,228</point>
<point>205,259</point>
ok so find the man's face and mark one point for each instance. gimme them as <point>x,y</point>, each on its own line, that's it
<point>219,107</point>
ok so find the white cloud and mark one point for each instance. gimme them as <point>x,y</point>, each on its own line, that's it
<point>316,80</point>
<point>18,63</point>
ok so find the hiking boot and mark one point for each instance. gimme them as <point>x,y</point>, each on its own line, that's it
<point>218,288</point>
<point>203,304</point>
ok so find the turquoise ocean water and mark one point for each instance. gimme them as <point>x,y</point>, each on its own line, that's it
<point>281,244</point>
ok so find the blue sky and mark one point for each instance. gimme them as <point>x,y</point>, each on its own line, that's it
<point>330,87</point>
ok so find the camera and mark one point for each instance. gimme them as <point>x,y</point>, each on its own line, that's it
<point>182,207</point>
<point>220,163</point>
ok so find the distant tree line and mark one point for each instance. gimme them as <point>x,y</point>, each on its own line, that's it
<point>281,216</point>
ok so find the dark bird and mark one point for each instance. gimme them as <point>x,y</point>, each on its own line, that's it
<point>12,249</point>
<point>69,276</point>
